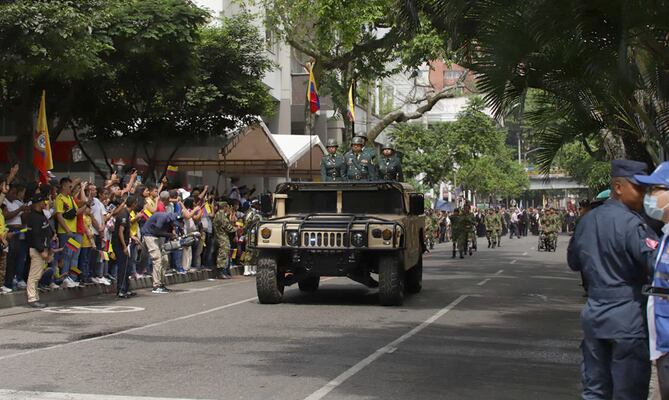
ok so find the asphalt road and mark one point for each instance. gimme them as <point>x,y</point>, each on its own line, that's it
<point>502,324</point>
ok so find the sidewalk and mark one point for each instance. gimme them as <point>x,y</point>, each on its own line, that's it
<point>19,298</point>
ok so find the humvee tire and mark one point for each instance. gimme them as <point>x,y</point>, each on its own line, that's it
<point>391,281</point>
<point>268,284</point>
<point>309,284</point>
<point>414,277</point>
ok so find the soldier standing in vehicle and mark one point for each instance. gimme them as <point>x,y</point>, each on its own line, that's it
<point>389,166</point>
<point>366,150</point>
<point>223,228</point>
<point>332,165</point>
<point>359,166</point>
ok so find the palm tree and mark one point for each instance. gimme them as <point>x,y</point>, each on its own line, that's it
<point>602,68</point>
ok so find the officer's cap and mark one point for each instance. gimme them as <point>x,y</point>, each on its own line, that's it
<point>628,169</point>
<point>332,143</point>
<point>659,177</point>
<point>388,146</point>
<point>357,140</point>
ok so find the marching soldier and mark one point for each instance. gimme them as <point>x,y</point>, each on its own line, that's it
<point>492,228</point>
<point>499,226</point>
<point>223,228</point>
<point>390,166</point>
<point>332,165</point>
<point>457,232</point>
<point>469,227</point>
<point>358,165</point>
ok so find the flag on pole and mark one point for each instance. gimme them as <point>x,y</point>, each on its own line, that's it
<point>312,92</point>
<point>41,144</point>
<point>351,105</point>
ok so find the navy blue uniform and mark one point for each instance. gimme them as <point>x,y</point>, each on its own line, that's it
<point>615,250</point>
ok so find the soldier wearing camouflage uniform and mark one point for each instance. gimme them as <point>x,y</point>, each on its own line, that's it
<point>359,166</point>
<point>332,165</point>
<point>458,234</point>
<point>222,229</point>
<point>492,228</point>
<point>469,227</point>
<point>550,225</point>
<point>250,256</point>
<point>431,227</point>
<point>389,166</point>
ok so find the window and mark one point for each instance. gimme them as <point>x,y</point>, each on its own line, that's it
<point>451,75</point>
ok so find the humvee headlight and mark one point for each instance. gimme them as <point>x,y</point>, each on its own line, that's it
<point>292,238</point>
<point>358,240</point>
<point>387,234</point>
<point>265,233</point>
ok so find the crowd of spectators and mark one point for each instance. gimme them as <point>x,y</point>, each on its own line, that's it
<point>98,235</point>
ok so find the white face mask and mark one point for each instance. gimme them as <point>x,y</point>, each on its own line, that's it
<point>650,206</point>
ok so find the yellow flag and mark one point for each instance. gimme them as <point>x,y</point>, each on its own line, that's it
<point>43,129</point>
<point>351,105</point>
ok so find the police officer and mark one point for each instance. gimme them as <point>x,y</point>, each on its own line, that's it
<point>332,165</point>
<point>359,166</point>
<point>615,249</point>
<point>389,166</point>
<point>656,206</point>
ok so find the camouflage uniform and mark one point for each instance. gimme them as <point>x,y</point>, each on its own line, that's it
<point>458,234</point>
<point>550,226</point>
<point>469,228</point>
<point>492,228</point>
<point>250,221</point>
<point>431,227</point>
<point>222,229</point>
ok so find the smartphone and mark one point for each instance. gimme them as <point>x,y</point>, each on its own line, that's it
<point>139,179</point>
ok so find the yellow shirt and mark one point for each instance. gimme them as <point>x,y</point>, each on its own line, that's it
<point>89,226</point>
<point>64,203</point>
<point>3,225</point>
<point>134,226</point>
<point>148,204</point>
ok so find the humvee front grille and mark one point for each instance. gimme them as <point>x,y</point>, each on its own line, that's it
<point>324,239</point>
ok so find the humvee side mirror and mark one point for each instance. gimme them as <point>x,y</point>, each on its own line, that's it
<point>416,204</point>
<point>266,204</point>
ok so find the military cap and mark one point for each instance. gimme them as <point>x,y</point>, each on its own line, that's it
<point>357,140</point>
<point>388,146</point>
<point>659,177</point>
<point>628,169</point>
<point>222,204</point>
<point>332,143</point>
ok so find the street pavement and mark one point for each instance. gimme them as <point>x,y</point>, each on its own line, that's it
<point>503,324</point>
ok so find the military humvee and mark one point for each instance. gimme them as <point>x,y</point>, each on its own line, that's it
<point>351,229</point>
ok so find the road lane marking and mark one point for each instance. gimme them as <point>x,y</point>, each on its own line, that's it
<point>25,395</point>
<point>498,272</point>
<point>513,261</point>
<point>525,253</point>
<point>562,278</point>
<point>139,328</point>
<point>92,309</point>
<point>483,282</point>
<point>387,349</point>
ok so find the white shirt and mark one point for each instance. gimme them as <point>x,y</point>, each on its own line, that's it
<point>98,212</point>
<point>11,207</point>
<point>514,218</point>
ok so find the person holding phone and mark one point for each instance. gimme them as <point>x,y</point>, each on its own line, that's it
<point>68,238</point>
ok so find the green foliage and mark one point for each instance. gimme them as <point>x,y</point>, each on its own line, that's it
<point>574,159</point>
<point>141,69</point>
<point>350,40</point>
<point>601,67</point>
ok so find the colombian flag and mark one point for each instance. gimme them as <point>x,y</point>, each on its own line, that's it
<point>351,105</point>
<point>41,144</point>
<point>312,93</point>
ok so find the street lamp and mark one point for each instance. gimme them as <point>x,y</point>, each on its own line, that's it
<point>531,151</point>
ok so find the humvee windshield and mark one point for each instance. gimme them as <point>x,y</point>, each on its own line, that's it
<point>385,201</point>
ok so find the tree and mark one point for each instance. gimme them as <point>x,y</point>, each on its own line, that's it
<point>355,41</point>
<point>424,152</point>
<point>145,70</point>
<point>601,67</point>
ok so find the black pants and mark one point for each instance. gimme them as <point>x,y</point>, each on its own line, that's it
<point>122,282</point>
<point>16,259</point>
<point>514,230</point>
<point>663,376</point>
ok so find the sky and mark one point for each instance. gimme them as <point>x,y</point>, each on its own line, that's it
<point>214,5</point>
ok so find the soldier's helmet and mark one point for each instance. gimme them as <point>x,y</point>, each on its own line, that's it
<point>361,135</point>
<point>358,140</point>
<point>388,146</point>
<point>332,143</point>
